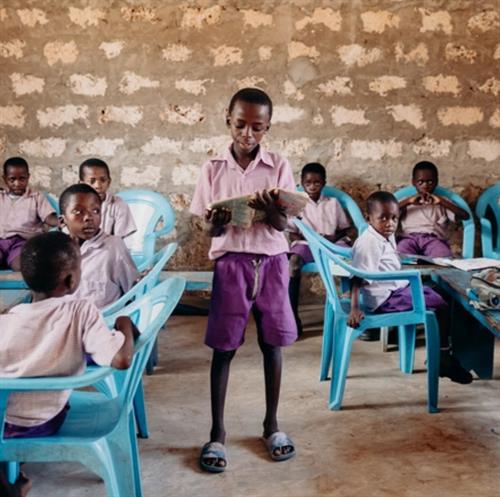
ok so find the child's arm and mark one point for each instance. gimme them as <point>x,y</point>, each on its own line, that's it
<point>51,220</point>
<point>123,358</point>
<point>349,232</point>
<point>460,214</point>
<point>274,215</point>
<point>216,220</point>
<point>356,314</point>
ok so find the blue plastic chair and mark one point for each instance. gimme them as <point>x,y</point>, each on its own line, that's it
<point>467,224</point>
<point>54,203</point>
<point>110,313</point>
<point>489,200</point>
<point>149,209</point>
<point>99,432</point>
<point>338,336</point>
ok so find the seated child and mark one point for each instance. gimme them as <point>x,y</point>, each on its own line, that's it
<point>22,212</point>
<point>108,270</point>
<point>50,336</point>
<point>375,251</point>
<point>116,218</point>
<point>425,216</point>
<point>326,216</point>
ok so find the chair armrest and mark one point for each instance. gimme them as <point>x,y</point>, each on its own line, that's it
<point>86,379</point>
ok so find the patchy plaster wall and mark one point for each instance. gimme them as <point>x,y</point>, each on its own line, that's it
<point>367,87</point>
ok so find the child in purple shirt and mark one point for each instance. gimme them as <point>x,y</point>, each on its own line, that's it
<point>22,212</point>
<point>251,267</point>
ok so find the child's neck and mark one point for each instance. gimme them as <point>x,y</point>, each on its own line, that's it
<point>39,296</point>
<point>244,159</point>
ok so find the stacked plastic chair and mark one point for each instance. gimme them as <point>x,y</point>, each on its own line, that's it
<point>488,210</point>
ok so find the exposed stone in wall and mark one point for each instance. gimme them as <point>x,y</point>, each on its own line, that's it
<point>368,88</point>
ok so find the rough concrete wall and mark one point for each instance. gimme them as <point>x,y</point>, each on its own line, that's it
<point>367,87</point>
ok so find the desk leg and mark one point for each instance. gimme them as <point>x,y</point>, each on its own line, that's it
<point>472,343</point>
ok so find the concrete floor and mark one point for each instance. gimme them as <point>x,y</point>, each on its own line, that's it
<point>382,444</point>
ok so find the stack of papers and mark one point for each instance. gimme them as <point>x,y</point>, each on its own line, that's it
<point>463,264</point>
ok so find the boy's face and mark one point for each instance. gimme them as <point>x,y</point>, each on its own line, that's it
<point>248,124</point>
<point>424,181</point>
<point>97,178</point>
<point>313,183</point>
<point>82,216</point>
<point>384,218</point>
<point>16,179</point>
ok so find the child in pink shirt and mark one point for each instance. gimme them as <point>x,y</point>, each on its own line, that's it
<point>51,336</point>
<point>326,216</point>
<point>108,270</point>
<point>425,216</point>
<point>22,212</point>
<point>251,268</point>
<point>116,217</point>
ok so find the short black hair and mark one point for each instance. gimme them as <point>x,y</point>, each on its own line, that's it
<point>313,167</point>
<point>93,162</point>
<point>252,96</point>
<point>44,257</point>
<point>425,166</point>
<point>13,162</point>
<point>73,190</point>
<point>379,197</point>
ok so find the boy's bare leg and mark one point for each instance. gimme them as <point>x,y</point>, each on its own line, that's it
<point>272,373</point>
<point>15,265</point>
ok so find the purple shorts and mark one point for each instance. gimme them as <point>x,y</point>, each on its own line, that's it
<point>426,244</point>
<point>303,250</point>
<point>46,429</point>
<point>250,282</point>
<point>10,248</point>
<point>400,300</point>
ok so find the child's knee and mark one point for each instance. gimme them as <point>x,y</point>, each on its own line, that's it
<point>223,355</point>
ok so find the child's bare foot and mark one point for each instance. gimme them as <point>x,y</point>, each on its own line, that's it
<point>23,485</point>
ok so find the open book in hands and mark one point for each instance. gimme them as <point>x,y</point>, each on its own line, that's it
<point>243,216</point>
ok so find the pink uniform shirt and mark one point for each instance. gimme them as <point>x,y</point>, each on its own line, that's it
<point>50,338</point>
<point>427,219</point>
<point>24,215</point>
<point>221,178</point>
<point>373,252</point>
<point>108,270</point>
<point>325,216</point>
<point>116,218</point>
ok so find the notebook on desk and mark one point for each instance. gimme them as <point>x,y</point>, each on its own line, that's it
<point>473,264</point>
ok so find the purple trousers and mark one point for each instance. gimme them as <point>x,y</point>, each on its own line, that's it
<point>10,248</point>
<point>245,283</point>
<point>400,300</point>
<point>426,244</point>
<point>46,429</point>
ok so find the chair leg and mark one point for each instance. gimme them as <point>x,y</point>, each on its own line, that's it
<point>140,412</point>
<point>135,458</point>
<point>343,339</point>
<point>327,347</point>
<point>152,359</point>
<point>406,347</point>
<point>13,471</point>
<point>433,359</point>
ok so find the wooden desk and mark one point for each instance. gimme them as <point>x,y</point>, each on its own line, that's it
<point>473,331</point>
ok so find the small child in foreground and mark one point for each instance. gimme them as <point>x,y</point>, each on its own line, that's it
<point>108,270</point>
<point>375,251</point>
<point>116,218</point>
<point>326,216</point>
<point>23,212</point>
<point>51,335</point>
<point>425,216</point>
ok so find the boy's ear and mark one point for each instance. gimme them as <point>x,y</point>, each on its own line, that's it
<point>61,220</point>
<point>228,118</point>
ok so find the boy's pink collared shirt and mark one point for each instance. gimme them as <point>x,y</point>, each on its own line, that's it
<point>221,178</point>
<point>116,218</point>
<point>23,216</point>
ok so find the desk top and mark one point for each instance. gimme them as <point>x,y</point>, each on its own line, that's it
<point>458,282</point>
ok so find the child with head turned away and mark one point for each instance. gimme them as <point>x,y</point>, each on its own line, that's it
<point>23,212</point>
<point>425,217</point>
<point>108,270</point>
<point>375,251</point>
<point>116,218</point>
<point>51,335</point>
<point>326,216</point>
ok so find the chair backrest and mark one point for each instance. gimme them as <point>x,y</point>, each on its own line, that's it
<point>347,203</point>
<point>467,224</point>
<point>153,309</point>
<point>488,207</point>
<point>324,255</point>
<point>145,284</point>
<point>149,210</point>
